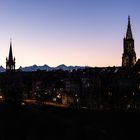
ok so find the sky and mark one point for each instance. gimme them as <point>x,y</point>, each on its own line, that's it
<point>70,32</point>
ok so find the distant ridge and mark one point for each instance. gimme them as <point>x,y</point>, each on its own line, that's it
<point>2,69</point>
<point>35,68</point>
<point>62,67</point>
<point>48,68</point>
<point>45,68</point>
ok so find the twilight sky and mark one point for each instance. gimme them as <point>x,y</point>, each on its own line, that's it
<point>71,32</point>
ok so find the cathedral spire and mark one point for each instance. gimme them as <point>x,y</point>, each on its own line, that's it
<point>10,52</point>
<point>129,32</point>
<point>10,61</point>
<point>129,55</point>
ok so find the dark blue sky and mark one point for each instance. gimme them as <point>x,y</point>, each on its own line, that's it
<point>73,32</point>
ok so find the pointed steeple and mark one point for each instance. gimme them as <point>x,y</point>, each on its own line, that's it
<point>10,52</point>
<point>10,62</point>
<point>129,54</point>
<point>129,32</point>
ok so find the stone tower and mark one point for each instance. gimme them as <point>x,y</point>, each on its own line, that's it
<point>129,55</point>
<point>10,61</point>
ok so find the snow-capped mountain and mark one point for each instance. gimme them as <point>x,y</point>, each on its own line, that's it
<point>48,68</point>
<point>2,69</point>
<point>64,67</point>
<point>35,68</point>
<point>45,68</point>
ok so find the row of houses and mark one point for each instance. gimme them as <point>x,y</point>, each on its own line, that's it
<point>109,88</point>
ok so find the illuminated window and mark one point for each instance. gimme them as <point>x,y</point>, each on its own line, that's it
<point>133,94</point>
<point>110,93</point>
<point>128,106</point>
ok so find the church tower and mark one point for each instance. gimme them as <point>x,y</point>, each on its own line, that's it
<point>10,61</point>
<point>129,55</point>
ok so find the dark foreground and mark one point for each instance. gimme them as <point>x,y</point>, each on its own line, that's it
<point>42,123</point>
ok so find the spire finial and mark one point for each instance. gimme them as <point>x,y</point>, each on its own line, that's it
<point>10,42</point>
<point>129,32</point>
<point>10,39</point>
<point>128,19</point>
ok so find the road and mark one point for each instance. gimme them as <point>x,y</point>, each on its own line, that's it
<point>30,101</point>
